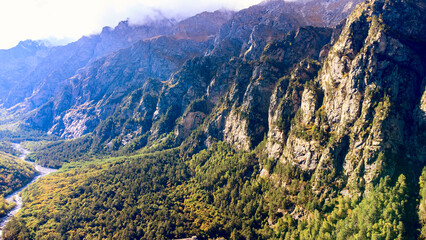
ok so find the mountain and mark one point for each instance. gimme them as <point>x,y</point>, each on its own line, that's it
<point>201,27</point>
<point>216,54</point>
<point>250,29</point>
<point>157,58</point>
<point>62,62</point>
<point>102,86</point>
<point>45,79</point>
<point>285,120</point>
<point>16,63</point>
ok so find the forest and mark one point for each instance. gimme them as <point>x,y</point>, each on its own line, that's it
<point>14,174</point>
<point>218,192</point>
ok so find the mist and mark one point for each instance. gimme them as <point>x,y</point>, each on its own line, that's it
<point>62,21</point>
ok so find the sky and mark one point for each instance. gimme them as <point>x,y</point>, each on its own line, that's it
<point>62,21</point>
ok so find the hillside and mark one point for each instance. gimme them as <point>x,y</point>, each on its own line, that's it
<point>14,174</point>
<point>286,120</point>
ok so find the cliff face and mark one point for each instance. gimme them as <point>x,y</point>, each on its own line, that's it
<point>344,103</point>
<point>361,117</point>
<point>246,114</point>
<point>239,74</point>
<point>248,32</point>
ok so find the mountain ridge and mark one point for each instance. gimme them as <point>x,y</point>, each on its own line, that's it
<point>217,57</point>
<point>48,77</point>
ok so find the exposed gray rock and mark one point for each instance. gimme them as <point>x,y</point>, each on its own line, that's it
<point>366,118</point>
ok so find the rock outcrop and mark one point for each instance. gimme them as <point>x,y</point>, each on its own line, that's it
<point>372,82</point>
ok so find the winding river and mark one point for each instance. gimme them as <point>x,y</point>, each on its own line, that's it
<point>15,196</point>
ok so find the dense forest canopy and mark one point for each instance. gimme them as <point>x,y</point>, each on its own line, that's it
<point>14,174</point>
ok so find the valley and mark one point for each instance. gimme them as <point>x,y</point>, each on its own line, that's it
<point>284,120</point>
<point>15,196</point>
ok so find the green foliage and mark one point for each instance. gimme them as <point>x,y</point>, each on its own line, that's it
<point>14,173</point>
<point>34,146</point>
<point>55,154</point>
<point>5,206</point>
<point>7,147</point>
<point>320,131</point>
<point>379,215</point>
<point>119,199</point>
<point>198,105</point>
<point>422,205</point>
<point>194,143</point>
<point>24,133</point>
<point>16,230</point>
<point>317,131</point>
<point>214,193</point>
<point>151,196</point>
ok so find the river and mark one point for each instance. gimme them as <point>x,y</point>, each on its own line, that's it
<point>15,196</point>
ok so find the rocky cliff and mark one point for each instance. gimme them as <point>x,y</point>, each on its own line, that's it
<point>360,119</point>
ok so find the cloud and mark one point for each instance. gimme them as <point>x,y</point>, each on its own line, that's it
<point>70,19</point>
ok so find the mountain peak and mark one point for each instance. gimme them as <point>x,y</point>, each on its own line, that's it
<point>32,43</point>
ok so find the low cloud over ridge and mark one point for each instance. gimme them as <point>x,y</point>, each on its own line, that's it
<point>65,19</point>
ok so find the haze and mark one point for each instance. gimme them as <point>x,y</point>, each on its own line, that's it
<point>62,21</point>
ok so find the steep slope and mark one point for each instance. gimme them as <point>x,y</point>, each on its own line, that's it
<point>201,27</point>
<point>244,113</point>
<point>372,82</point>
<point>15,173</point>
<point>247,33</point>
<point>208,76</point>
<point>16,63</point>
<point>96,92</point>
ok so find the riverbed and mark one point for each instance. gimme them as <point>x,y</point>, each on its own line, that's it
<point>15,196</point>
